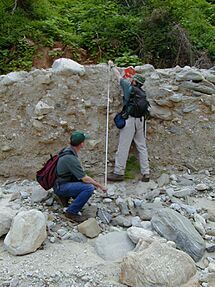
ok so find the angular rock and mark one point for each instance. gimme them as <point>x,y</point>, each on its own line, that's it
<point>27,233</point>
<point>147,210</point>
<point>42,108</point>
<point>183,192</point>
<point>67,66</point>
<point>90,228</point>
<point>104,216</point>
<point>158,265</point>
<point>38,195</point>
<point>175,227</point>
<point>161,112</point>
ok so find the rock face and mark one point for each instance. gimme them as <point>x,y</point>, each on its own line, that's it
<point>175,227</point>
<point>158,265</point>
<point>27,233</point>
<point>44,106</point>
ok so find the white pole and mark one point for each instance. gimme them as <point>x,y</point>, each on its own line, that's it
<point>145,127</point>
<point>107,123</point>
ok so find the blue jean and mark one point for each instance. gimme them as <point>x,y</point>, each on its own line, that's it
<point>79,191</point>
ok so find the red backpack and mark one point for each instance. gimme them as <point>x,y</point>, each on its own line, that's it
<point>47,175</point>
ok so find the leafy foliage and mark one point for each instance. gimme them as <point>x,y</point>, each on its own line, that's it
<point>132,32</point>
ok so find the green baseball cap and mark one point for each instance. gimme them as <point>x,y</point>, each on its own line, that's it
<point>139,78</point>
<point>78,137</point>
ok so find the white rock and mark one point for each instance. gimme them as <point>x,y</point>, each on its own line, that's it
<point>201,187</point>
<point>27,233</point>
<point>43,108</point>
<point>67,66</point>
<point>136,233</point>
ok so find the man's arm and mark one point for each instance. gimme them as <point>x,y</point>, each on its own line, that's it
<point>88,179</point>
<point>115,70</point>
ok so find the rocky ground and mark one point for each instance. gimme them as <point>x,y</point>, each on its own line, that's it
<point>100,253</point>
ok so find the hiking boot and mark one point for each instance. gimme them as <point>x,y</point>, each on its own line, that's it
<point>75,217</point>
<point>63,201</point>
<point>115,177</point>
<point>145,178</point>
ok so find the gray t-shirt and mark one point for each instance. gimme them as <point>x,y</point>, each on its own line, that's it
<point>69,168</point>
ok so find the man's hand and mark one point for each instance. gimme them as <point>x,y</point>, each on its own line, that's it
<point>115,70</point>
<point>103,188</point>
<point>110,63</point>
<point>88,179</point>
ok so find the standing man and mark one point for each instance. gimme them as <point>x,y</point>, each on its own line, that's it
<point>133,130</point>
<point>72,180</point>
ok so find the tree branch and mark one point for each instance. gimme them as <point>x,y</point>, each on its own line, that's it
<point>14,7</point>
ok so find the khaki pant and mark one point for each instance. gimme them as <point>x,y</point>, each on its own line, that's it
<point>133,130</point>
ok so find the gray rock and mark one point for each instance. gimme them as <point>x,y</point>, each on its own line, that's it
<point>187,74</point>
<point>38,195</point>
<point>78,237</point>
<point>104,216</point>
<point>203,87</point>
<point>114,245</point>
<point>147,210</point>
<point>211,248</point>
<point>122,221</point>
<point>175,227</point>
<point>163,180</point>
<point>183,192</point>
<point>160,112</point>
<point>176,98</point>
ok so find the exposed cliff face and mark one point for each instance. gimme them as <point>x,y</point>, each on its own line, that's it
<point>39,110</point>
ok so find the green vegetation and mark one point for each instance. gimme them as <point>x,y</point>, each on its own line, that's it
<point>132,32</point>
<point>132,168</point>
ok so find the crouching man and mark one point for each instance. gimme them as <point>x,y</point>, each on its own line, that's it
<point>72,181</point>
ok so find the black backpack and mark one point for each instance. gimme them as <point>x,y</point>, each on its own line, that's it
<point>138,105</point>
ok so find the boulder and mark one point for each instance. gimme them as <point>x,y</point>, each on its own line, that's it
<point>175,227</point>
<point>114,245</point>
<point>67,66</point>
<point>27,233</point>
<point>157,265</point>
